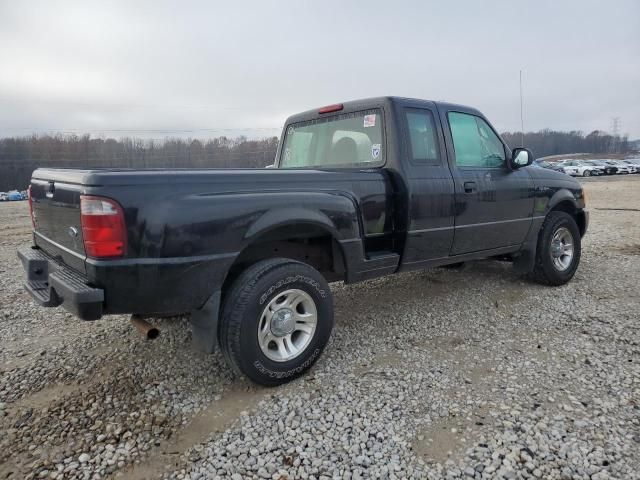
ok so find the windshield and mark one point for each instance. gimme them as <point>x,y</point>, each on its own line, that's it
<point>347,140</point>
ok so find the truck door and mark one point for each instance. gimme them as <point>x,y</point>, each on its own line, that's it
<point>494,204</point>
<point>430,188</point>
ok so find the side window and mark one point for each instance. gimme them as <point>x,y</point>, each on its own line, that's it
<point>422,136</point>
<point>475,144</point>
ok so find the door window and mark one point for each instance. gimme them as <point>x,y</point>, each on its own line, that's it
<point>474,142</point>
<point>422,136</point>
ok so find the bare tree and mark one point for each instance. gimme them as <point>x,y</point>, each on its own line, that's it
<point>20,156</point>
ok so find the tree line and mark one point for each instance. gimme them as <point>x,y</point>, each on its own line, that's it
<point>551,142</point>
<point>19,156</point>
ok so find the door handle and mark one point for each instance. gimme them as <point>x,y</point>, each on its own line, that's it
<point>469,187</point>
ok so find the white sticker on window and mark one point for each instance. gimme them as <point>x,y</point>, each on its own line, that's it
<point>369,120</point>
<point>290,130</point>
<point>375,150</point>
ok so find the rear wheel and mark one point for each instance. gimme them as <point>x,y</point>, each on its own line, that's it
<point>558,250</point>
<point>276,320</point>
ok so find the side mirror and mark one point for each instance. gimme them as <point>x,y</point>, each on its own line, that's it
<point>520,157</point>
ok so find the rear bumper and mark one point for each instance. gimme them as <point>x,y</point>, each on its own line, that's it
<point>52,284</point>
<point>162,286</point>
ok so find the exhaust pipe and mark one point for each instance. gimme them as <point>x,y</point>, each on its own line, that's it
<point>147,330</point>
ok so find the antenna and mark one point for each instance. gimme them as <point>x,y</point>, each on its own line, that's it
<point>521,114</point>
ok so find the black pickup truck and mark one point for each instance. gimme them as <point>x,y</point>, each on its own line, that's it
<point>358,190</point>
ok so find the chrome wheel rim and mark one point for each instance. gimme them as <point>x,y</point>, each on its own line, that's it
<point>562,249</point>
<point>287,325</point>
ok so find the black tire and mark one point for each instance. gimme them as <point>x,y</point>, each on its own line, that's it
<point>242,312</point>
<point>545,272</point>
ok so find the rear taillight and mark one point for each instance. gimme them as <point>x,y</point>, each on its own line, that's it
<point>31,213</point>
<point>103,227</point>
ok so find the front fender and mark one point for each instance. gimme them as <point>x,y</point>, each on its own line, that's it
<point>562,195</point>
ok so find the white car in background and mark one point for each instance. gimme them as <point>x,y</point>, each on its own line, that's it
<point>633,163</point>
<point>622,167</point>
<point>577,168</point>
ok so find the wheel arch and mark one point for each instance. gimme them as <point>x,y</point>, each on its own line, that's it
<point>306,235</point>
<point>297,233</point>
<point>564,201</point>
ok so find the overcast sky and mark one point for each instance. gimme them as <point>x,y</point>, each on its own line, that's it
<point>207,68</point>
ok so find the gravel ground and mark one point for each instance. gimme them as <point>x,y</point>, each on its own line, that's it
<point>471,373</point>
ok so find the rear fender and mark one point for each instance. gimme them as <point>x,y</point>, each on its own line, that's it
<point>338,218</point>
<point>281,217</point>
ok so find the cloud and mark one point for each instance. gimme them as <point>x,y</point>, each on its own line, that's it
<point>200,68</point>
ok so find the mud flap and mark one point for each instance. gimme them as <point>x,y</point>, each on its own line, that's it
<point>525,262</point>
<point>204,323</point>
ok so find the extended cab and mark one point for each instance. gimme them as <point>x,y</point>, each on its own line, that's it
<point>358,190</point>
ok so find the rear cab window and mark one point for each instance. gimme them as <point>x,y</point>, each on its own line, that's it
<point>348,140</point>
<point>423,137</point>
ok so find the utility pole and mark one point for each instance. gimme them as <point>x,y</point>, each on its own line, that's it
<point>521,114</point>
<point>615,126</point>
<point>615,131</point>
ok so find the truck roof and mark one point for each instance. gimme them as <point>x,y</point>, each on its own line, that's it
<point>374,102</point>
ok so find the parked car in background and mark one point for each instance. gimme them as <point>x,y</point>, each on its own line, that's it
<point>578,168</point>
<point>623,168</point>
<point>14,195</point>
<point>4,196</point>
<point>634,161</point>
<point>603,166</point>
<point>634,164</point>
<point>545,164</point>
<point>541,164</point>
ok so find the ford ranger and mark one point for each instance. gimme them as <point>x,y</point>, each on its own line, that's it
<point>358,190</point>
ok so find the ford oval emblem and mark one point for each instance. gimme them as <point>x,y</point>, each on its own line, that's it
<point>73,232</point>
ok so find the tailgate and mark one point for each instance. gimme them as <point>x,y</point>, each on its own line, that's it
<point>56,207</point>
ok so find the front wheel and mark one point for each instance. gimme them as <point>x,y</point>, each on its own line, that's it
<point>277,319</point>
<point>558,250</point>
<point>586,173</point>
